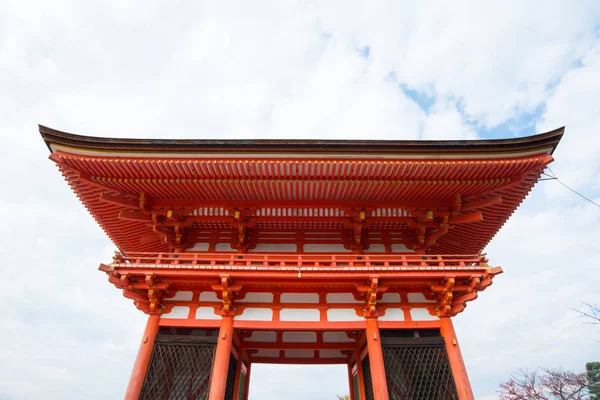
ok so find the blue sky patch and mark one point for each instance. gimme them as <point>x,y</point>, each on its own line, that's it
<point>365,52</point>
<point>424,100</point>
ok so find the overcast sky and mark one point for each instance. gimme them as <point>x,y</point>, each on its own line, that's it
<point>280,69</point>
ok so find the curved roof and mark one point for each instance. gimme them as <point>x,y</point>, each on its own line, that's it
<point>302,185</point>
<point>544,142</point>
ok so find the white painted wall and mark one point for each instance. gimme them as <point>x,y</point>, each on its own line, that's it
<point>267,353</point>
<point>325,248</point>
<point>206,313</point>
<point>178,312</point>
<point>275,248</point>
<point>393,314</point>
<point>299,353</point>
<point>390,298</point>
<point>209,296</point>
<point>418,298</point>
<point>256,314</point>
<point>199,247</point>
<point>401,248</point>
<point>300,337</point>
<point>301,315</point>
<point>336,337</point>
<point>343,314</point>
<point>331,354</point>
<point>257,298</point>
<point>223,248</point>
<point>182,296</point>
<point>263,336</point>
<point>375,248</point>
<point>342,298</point>
<point>422,314</point>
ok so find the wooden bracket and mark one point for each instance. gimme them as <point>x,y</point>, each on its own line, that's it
<point>227,289</point>
<point>371,291</point>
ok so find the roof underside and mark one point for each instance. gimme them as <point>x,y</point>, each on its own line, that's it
<point>295,177</point>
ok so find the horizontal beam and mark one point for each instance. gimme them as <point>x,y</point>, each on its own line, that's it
<point>475,216</point>
<point>298,360</point>
<point>490,201</point>
<point>298,346</point>
<point>420,204</point>
<point>266,325</point>
<point>275,276</point>
<point>134,216</point>
<point>297,326</point>
<point>120,201</point>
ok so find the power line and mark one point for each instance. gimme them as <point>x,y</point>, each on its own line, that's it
<point>554,177</point>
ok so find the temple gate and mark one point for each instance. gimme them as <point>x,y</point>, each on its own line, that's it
<point>298,251</point>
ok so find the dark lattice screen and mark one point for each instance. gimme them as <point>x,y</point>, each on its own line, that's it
<point>230,378</point>
<point>367,378</point>
<point>242,391</point>
<point>356,388</point>
<point>418,369</point>
<point>178,371</point>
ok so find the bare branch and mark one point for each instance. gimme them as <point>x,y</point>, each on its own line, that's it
<point>591,313</point>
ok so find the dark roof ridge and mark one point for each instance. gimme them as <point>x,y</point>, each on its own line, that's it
<point>543,140</point>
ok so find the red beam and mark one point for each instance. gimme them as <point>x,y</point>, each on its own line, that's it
<point>466,218</point>
<point>134,216</point>
<point>297,360</point>
<point>490,201</point>
<point>120,201</point>
<point>299,346</point>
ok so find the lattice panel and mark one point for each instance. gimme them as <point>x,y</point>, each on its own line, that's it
<point>356,387</point>
<point>419,373</point>
<point>368,381</point>
<point>178,371</point>
<point>242,391</point>
<point>230,378</point>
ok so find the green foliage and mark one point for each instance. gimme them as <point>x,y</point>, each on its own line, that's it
<point>592,372</point>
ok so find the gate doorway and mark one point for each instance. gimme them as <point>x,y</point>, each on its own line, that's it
<point>298,382</point>
<point>303,363</point>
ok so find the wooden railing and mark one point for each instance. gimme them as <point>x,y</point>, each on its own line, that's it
<point>287,260</point>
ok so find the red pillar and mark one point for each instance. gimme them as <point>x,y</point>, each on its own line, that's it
<point>456,361</point>
<point>380,389</point>
<point>218,381</point>
<point>247,388</point>
<point>238,374</point>
<point>351,382</point>
<point>143,359</point>
<point>361,377</point>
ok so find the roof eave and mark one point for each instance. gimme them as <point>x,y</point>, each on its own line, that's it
<point>544,141</point>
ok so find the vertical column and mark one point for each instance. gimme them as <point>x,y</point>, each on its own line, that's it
<point>238,374</point>
<point>143,359</point>
<point>456,361</point>
<point>361,377</point>
<point>247,389</point>
<point>351,382</point>
<point>380,389</point>
<point>218,380</point>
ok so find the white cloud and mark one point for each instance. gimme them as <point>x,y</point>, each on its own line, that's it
<point>295,70</point>
<point>574,103</point>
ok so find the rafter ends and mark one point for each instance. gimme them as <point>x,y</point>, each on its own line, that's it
<point>106,268</point>
<point>56,158</point>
